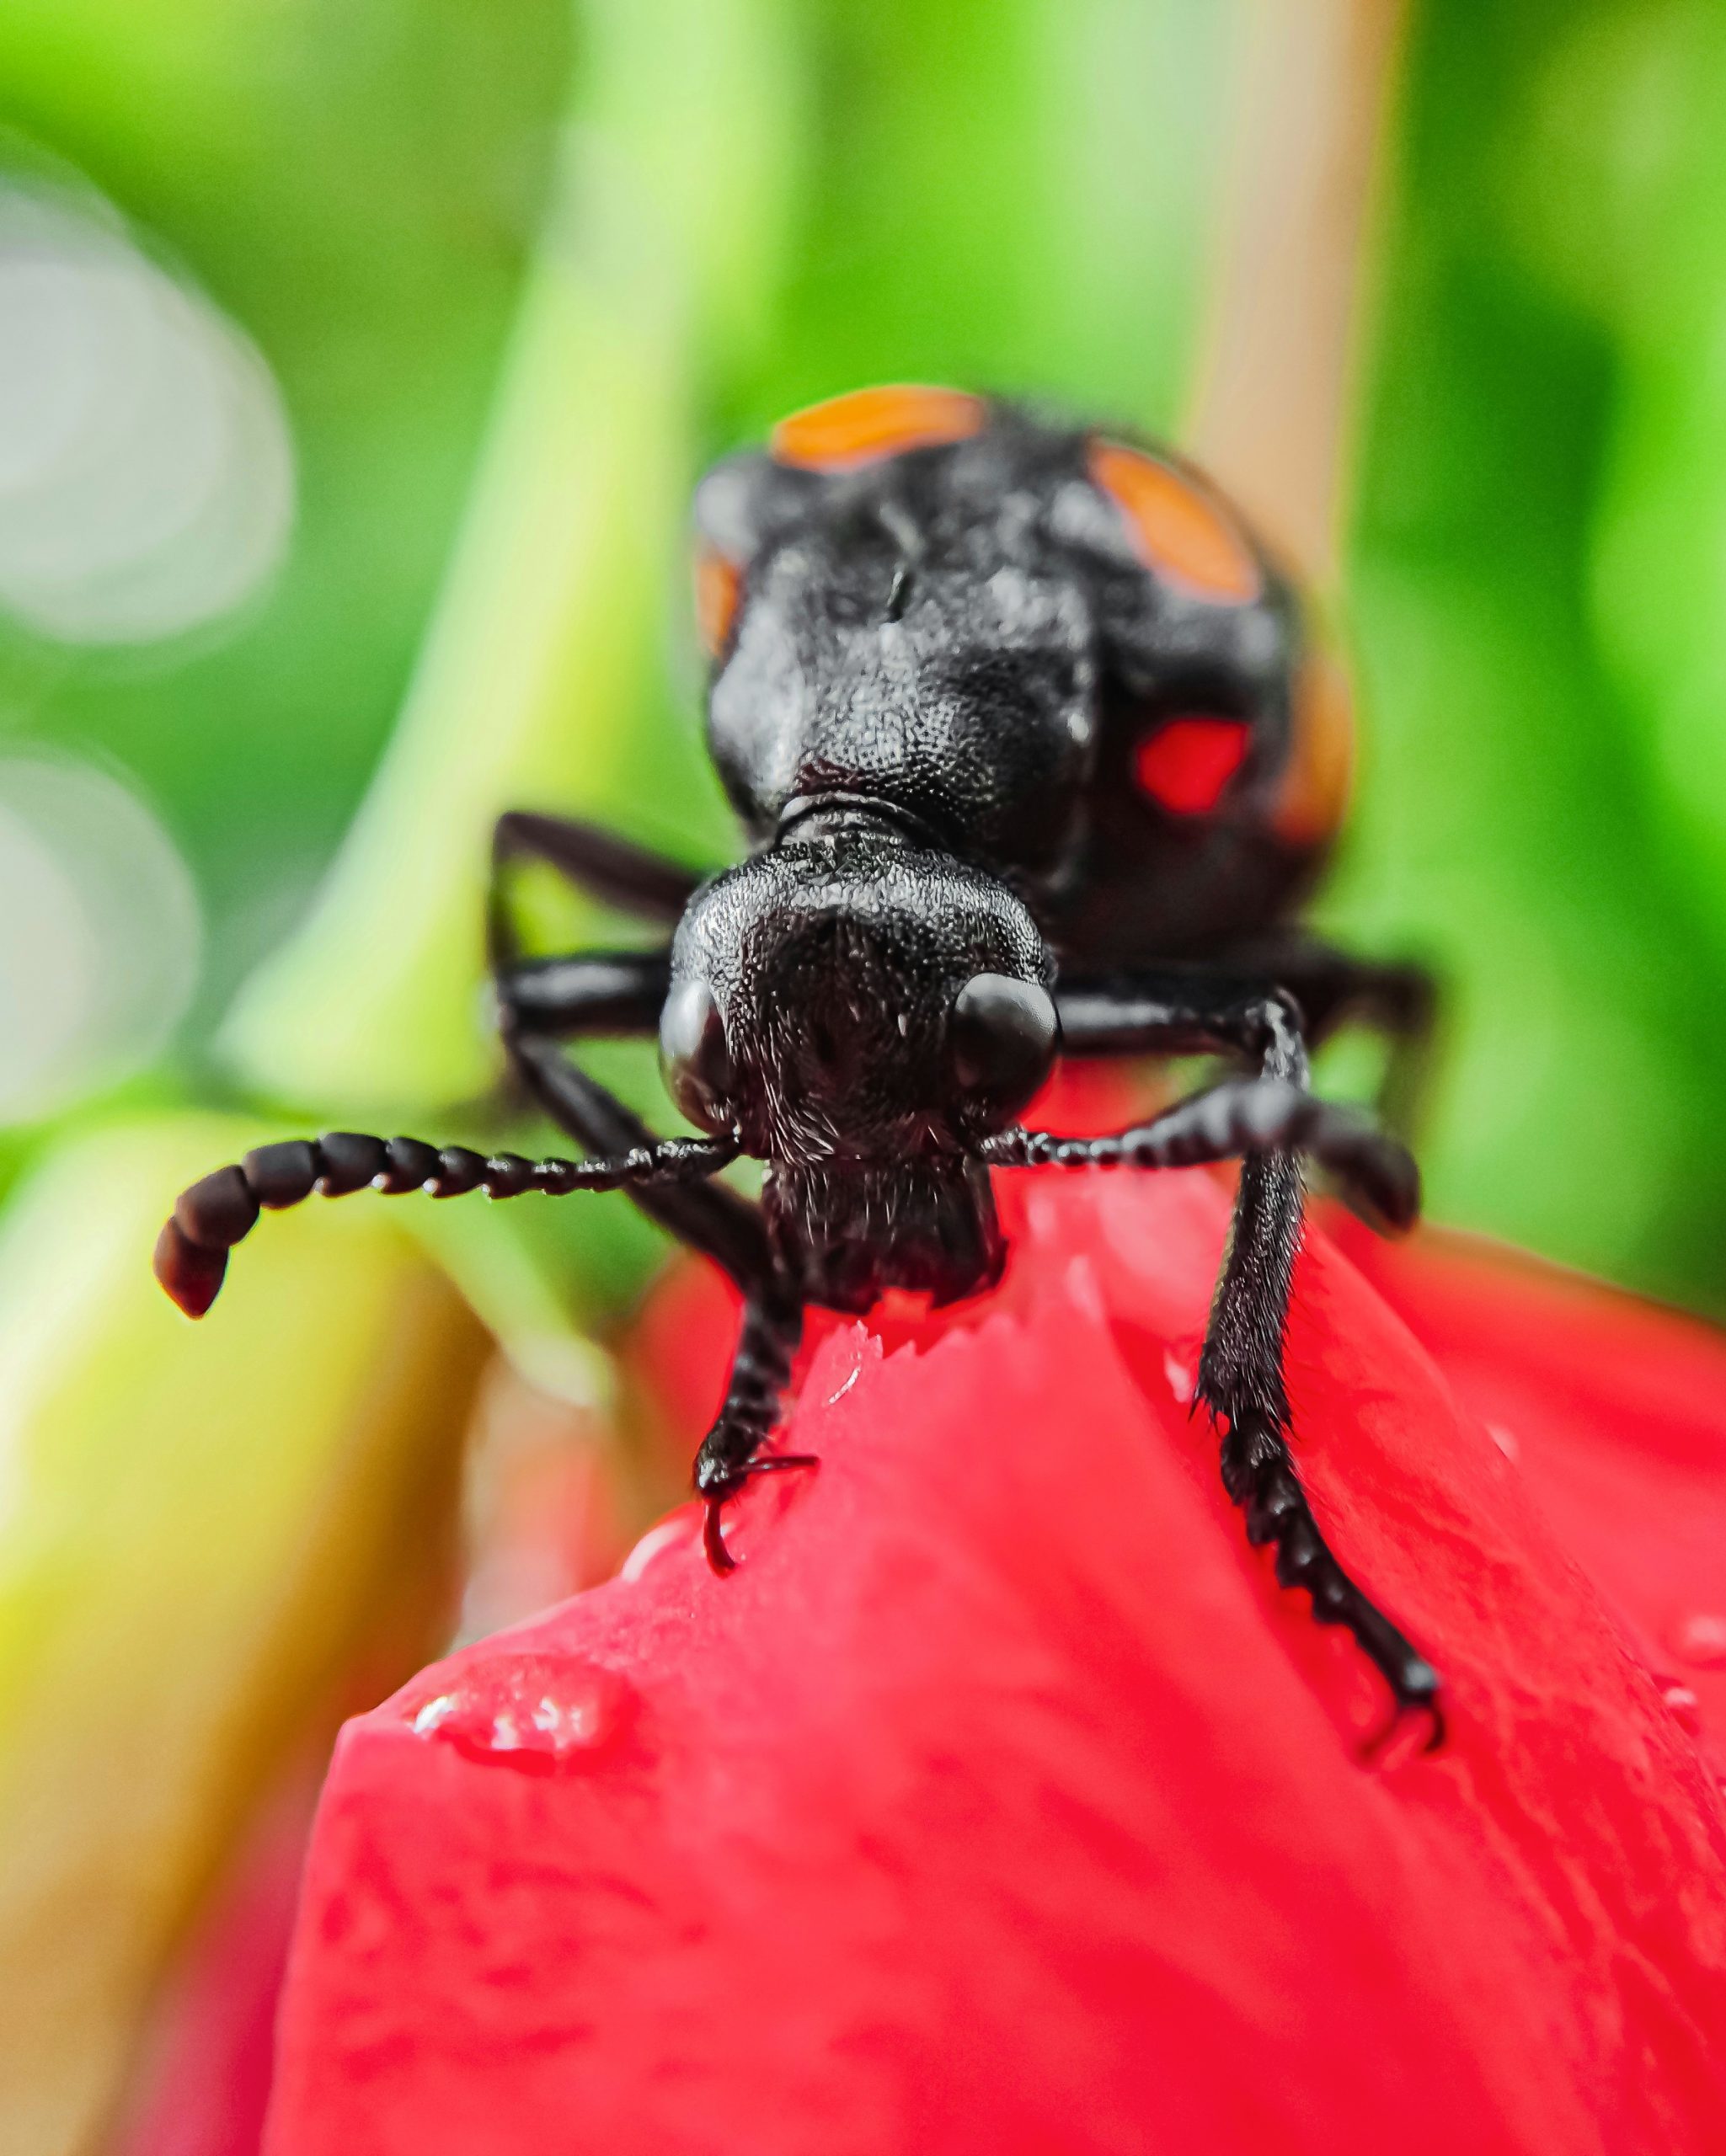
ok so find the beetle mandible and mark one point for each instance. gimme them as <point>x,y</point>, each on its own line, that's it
<point>1036,756</point>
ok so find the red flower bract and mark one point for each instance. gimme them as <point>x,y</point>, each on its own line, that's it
<point>1002,1802</point>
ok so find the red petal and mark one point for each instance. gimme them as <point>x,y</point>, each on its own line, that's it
<point>1001,1802</point>
<point>1611,1411</point>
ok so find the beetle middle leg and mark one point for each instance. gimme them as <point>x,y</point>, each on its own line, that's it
<point>1115,1014</point>
<point>1397,999</point>
<point>1241,1371</point>
<point>618,995</point>
<point>615,871</point>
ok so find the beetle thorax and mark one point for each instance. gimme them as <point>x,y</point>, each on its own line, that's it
<point>950,678</point>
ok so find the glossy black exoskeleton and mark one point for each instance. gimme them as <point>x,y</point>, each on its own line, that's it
<point>1036,757</point>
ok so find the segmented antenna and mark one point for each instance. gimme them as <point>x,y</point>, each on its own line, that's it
<point>213,1214</point>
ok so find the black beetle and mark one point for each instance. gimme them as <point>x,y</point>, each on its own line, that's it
<point>1036,756</point>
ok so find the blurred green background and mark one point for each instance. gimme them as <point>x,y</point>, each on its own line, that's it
<point>355,362</point>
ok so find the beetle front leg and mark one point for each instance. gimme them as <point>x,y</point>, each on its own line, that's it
<point>1241,1385</point>
<point>622,993</point>
<point>730,1453</point>
<point>1268,1120</point>
<point>1176,1010</point>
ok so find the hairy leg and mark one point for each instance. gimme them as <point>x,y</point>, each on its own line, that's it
<point>1241,1381</point>
<point>1397,999</point>
<point>618,995</point>
<point>773,1326</point>
<point>612,870</point>
<point>1124,1014</point>
<point>559,997</point>
<point>1240,1376</point>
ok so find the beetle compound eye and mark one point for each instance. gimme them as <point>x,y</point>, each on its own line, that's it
<point>1001,1036</point>
<point>693,1056</point>
<point>848,431</point>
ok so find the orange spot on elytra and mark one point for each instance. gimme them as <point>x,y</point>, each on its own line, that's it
<point>1185,765</point>
<point>718,582</point>
<point>1179,531</point>
<point>1313,791</point>
<point>868,424</point>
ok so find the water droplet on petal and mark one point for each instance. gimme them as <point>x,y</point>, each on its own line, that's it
<point>433,1712</point>
<point>1683,1706</point>
<point>1181,1375</point>
<point>534,1712</point>
<point>1700,1640</point>
<point>1506,1441</point>
<point>566,1723</point>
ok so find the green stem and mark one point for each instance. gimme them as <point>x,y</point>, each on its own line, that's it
<point>541,678</point>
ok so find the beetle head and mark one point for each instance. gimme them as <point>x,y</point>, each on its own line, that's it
<point>850,993</point>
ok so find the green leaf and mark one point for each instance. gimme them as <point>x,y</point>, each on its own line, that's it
<point>200,1528</point>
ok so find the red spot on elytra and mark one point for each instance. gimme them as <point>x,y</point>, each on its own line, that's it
<point>1185,765</point>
